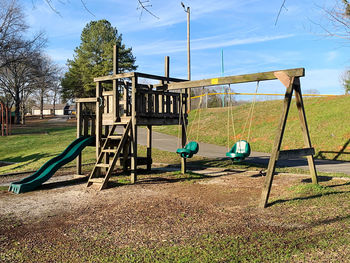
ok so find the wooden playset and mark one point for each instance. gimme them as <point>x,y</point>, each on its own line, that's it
<point>123,102</point>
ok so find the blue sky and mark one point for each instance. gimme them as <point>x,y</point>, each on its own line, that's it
<point>245,30</point>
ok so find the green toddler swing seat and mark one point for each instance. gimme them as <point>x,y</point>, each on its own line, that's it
<point>190,149</point>
<point>239,151</point>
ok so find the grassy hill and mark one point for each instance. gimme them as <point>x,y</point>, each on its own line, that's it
<point>328,120</point>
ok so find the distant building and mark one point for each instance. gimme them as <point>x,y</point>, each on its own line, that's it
<point>60,109</point>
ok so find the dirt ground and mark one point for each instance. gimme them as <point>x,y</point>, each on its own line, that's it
<point>161,207</point>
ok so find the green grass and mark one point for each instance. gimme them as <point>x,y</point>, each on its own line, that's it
<point>30,147</point>
<point>31,150</point>
<point>310,189</point>
<point>329,132</point>
<point>295,245</point>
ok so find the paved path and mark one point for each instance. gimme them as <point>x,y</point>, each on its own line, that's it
<point>170,143</point>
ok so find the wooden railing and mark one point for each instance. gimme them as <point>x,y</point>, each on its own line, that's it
<point>159,104</point>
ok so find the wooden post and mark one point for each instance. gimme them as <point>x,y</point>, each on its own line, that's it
<point>277,145</point>
<point>133,175</point>
<point>149,147</point>
<point>98,118</point>
<point>79,129</point>
<point>188,57</point>
<point>183,144</point>
<point>85,126</point>
<point>206,100</point>
<point>306,135</point>
<point>167,67</point>
<point>115,86</point>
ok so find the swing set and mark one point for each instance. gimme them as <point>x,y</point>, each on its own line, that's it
<point>239,151</point>
<point>290,78</point>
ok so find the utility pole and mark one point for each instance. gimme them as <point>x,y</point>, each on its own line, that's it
<point>187,10</point>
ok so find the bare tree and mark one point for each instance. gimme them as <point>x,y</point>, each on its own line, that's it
<point>46,77</point>
<point>12,31</point>
<point>339,20</point>
<point>16,80</point>
<point>345,79</point>
<point>12,26</point>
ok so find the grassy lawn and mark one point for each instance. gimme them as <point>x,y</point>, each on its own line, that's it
<point>172,217</point>
<point>307,223</point>
<point>34,144</point>
<point>330,134</point>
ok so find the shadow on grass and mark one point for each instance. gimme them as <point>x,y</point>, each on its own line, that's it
<point>281,201</point>
<point>171,178</point>
<point>337,185</point>
<point>28,159</point>
<point>43,129</point>
<point>337,154</point>
<point>320,179</point>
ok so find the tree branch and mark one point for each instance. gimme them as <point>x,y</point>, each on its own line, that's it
<point>279,12</point>
<point>145,7</point>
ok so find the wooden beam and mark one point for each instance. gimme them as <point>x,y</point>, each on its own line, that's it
<point>79,132</point>
<point>115,76</point>
<point>156,77</point>
<point>167,68</point>
<point>133,174</point>
<point>306,136</point>
<point>297,72</point>
<point>276,147</point>
<point>99,112</point>
<point>149,147</point>
<point>115,92</point>
<point>283,77</point>
<point>295,153</point>
<point>107,93</point>
<point>81,100</point>
<point>132,74</point>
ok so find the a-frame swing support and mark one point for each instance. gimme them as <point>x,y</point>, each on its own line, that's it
<point>290,79</point>
<point>292,84</point>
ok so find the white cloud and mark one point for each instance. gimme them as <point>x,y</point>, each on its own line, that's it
<point>220,41</point>
<point>172,13</point>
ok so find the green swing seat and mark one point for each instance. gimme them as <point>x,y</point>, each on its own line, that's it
<point>190,149</point>
<point>239,151</point>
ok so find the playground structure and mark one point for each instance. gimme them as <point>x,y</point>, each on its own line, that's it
<point>124,101</point>
<point>128,103</point>
<point>5,119</point>
<point>291,80</point>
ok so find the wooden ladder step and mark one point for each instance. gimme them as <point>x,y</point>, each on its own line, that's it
<point>115,137</point>
<point>123,121</point>
<point>103,165</point>
<point>96,180</point>
<point>109,150</point>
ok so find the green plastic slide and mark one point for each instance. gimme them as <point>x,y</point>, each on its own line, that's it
<point>50,167</point>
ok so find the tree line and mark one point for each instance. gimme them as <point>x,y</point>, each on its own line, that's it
<point>28,76</point>
<point>26,72</point>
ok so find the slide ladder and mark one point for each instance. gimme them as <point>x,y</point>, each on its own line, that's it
<point>102,171</point>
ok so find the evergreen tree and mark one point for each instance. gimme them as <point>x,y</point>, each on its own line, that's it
<point>94,58</point>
